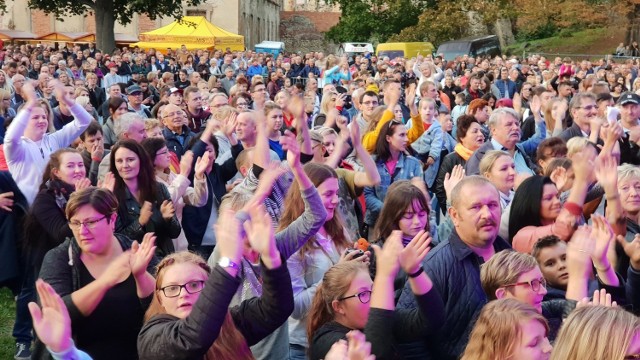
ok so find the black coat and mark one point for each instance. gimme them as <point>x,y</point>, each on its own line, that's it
<point>11,229</point>
<point>167,337</point>
<point>448,163</point>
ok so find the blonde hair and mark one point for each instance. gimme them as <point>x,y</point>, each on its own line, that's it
<point>498,329</point>
<point>324,104</point>
<point>489,159</point>
<point>82,100</point>
<point>504,268</point>
<point>577,144</point>
<point>230,344</point>
<point>596,332</point>
<point>150,124</point>
<point>375,117</point>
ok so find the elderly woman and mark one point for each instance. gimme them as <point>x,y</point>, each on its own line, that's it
<point>101,276</point>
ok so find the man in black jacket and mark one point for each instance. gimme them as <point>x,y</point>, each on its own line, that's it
<point>454,268</point>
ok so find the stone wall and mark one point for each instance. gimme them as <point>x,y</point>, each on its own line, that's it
<point>304,30</point>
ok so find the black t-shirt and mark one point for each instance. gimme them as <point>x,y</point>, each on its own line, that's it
<point>111,331</point>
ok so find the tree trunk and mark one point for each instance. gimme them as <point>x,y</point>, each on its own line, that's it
<point>633,32</point>
<point>504,30</point>
<point>105,22</point>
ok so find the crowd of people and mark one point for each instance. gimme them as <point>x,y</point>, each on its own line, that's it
<point>240,205</point>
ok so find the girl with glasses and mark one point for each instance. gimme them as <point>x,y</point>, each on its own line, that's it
<point>103,278</point>
<point>179,184</point>
<point>348,300</point>
<point>190,317</point>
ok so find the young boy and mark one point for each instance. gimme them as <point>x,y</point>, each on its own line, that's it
<point>458,110</point>
<point>93,150</point>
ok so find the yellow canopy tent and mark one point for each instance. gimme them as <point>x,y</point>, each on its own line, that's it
<point>204,35</point>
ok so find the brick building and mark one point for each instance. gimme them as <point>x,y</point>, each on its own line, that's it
<point>304,22</point>
<point>256,20</point>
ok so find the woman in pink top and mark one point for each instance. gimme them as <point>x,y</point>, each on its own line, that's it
<point>536,210</point>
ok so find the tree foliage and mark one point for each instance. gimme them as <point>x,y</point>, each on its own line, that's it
<point>108,11</point>
<point>364,20</point>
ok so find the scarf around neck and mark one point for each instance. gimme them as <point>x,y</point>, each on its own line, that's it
<point>463,151</point>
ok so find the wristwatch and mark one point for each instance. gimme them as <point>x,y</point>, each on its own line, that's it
<point>225,262</point>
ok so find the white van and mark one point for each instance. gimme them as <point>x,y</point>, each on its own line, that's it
<point>355,48</point>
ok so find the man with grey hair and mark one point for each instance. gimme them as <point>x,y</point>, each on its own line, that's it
<point>454,269</point>
<point>584,112</point>
<point>128,126</point>
<point>504,125</point>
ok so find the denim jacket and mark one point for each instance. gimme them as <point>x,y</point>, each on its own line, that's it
<point>407,168</point>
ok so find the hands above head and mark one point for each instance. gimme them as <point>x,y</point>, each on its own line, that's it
<point>51,322</point>
<point>606,171</point>
<point>579,252</point>
<point>260,232</point>
<point>535,106</point>
<point>61,93</point>
<point>228,237</point>
<point>290,145</point>
<point>230,125</point>
<point>604,239</point>
<point>29,93</point>
<point>600,298</point>
<point>582,166</point>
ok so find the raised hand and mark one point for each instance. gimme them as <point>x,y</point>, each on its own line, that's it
<point>603,238</point>
<point>410,97</point>
<point>61,93</point>
<point>145,213</point>
<point>296,107</point>
<point>412,255</point>
<point>354,133</point>
<point>582,166</point>
<point>559,177</point>
<point>228,237</point>
<point>359,348</point>
<point>291,146</point>
<point>82,184</point>
<point>6,201</point>
<point>632,249</point>
<point>260,232</point>
<point>29,93</point>
<point>230,126</point>
<point>186,162</point>
<point>167,209</point>
<point>118,270</point>
<point>606,171</point>
<point>600,298</point>
<point>535,105</point>
<point>579,251</point>
<point>452,179</point>
<point>109,182</point>
<point>387,263</point>
<point>202,163</point>
<point>141,254</point>
<point>51,322</point>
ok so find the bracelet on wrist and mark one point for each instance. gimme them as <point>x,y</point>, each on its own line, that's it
<point>417,273</point>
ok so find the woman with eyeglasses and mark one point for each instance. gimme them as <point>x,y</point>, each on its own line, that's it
<point>104,278</point>
<point>348,300</point>
<point>144,204</point>
<point>393,164</point>
<point>241,101</point>
<point>179,184</point>
<point>598,332</point>
<point>190,317</point>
